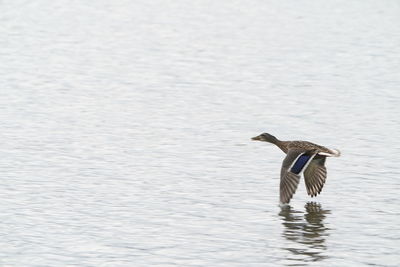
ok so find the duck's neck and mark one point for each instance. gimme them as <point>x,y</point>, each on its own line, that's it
<point>281,144</point>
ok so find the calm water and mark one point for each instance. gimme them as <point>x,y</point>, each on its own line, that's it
<point>126,125</point>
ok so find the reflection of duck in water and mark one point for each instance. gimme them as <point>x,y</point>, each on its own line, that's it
<point>309,234</point>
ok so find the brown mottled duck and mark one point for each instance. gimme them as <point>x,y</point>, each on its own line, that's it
<point>302,157</point>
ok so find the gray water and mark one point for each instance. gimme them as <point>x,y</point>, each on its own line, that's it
<point>126,126</point>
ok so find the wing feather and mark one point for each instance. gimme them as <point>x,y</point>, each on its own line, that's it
<point>315,176</point>
<point>289,183</point>
<point>289,180</point>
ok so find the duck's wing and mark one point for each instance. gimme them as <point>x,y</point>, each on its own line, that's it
<point>315,176</point>
<point>294,163</point>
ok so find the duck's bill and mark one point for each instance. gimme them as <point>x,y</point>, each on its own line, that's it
<point>256,138</point>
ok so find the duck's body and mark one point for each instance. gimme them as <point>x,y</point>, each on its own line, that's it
<point>301,157</point>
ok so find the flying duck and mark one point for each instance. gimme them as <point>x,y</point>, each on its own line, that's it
<point>301,157</point>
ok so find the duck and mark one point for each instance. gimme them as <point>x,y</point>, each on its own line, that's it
<point>302,158</point>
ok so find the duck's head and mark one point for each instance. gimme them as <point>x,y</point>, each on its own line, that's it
<point>265,137</point>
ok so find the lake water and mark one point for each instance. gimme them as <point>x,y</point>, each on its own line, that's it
<point>126,126</point>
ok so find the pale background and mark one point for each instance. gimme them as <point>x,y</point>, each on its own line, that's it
<point>126,126</point>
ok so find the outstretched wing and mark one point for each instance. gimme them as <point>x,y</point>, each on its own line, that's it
<point>315,176</point>
<point>292,166</point>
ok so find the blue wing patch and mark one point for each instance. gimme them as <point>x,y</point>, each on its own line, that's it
<point>300,163</point>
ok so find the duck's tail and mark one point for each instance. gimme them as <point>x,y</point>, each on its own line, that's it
<point>331,153</point>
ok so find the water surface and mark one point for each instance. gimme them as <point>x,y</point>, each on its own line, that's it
<point>126,126</point>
